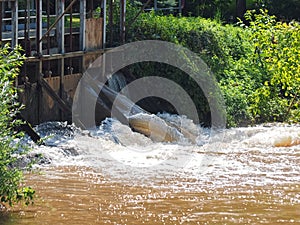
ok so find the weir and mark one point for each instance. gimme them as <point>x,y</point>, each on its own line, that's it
<point>60,40</point>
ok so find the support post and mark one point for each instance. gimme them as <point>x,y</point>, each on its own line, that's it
<point>39,26</point>
<point>62,88</point>
<point>155,5</point>
<point>61,26</point>
<point>122,20</point>
<point>48,26</point>
<point>82,24</point>
<point>27,30</point>
<point>104,25</point>
<point>111,22</point>
<point>180,6</point>
<point>15,24</point>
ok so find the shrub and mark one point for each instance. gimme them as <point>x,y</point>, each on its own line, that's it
<point>11,190</point>
<point>277,51</point>
<point>257,66</point>
<point>223,48</point>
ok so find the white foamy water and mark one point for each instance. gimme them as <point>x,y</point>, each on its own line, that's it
<point>112,175</point>
<point>257,155</point>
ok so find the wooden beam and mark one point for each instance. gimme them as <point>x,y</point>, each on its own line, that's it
<point>38,26</point>
<point>70,55</point>
<point>57,19</point>
<point>15,24</point>
<point>61,84</point>
<point>111,21</point>
<point>122,20</point>
<point>61,104</point>
<point>61,26</point>
<point>27,128</point>
<point>82,24</point>
<point>104,25</point>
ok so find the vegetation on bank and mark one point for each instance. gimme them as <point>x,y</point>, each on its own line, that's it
<point>257,65</point>
<point>227,10</point>
<point>11,188</point>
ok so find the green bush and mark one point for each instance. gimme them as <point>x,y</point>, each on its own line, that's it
<point>277,52</point>
<point>223,48</point>
<point>257,66</point>
<point>11,190</point>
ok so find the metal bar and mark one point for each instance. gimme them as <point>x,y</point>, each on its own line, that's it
<point>15,24</point>
<point>104,25</point>
<point>61,25</point>
<point>67,55</point>
<point>40,15</point>
<point>111,21</point>
<point>71,30</point>
<point>161,9</point>
<point>58,19</point>
<point>180,6</point>
<point>38,26</point>
<point>48,26</point>
<point>122,20</point>
<point>155,5</point>
<point>27,30</point>
<point>61,84</point>
<point>82,24</point>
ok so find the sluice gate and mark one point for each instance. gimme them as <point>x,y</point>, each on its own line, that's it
<point>60,39</point>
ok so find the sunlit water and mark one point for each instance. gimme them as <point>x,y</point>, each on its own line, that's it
<point>111,175</point>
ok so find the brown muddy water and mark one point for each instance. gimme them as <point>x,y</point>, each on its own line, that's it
<point>248,176</point>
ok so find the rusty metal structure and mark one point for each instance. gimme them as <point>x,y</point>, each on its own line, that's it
<point>60,39</point>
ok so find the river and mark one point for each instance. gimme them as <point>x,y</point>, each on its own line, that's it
<point>111,175</point>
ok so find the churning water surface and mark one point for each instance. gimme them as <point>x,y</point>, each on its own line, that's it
<point>112,175</point>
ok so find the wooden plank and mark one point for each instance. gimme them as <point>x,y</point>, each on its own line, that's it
<point>69,55</point>
<point>27,128</point>
<point>94,33</point>
<point>28,96</point>
<point>70,85</point>
<point>57,56</point>
<point>41,106</point>
<point>61,104</point>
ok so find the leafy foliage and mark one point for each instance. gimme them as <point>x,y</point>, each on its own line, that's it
<point>10,176</point>
<point>284,10</point>
<point>277,47</point>
<point>257,66</point>
<point>219,46</point>
<point>209,8</point>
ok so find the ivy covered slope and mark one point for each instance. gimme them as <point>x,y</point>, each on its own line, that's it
<point>257,66</point>
<point>11,190</point>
